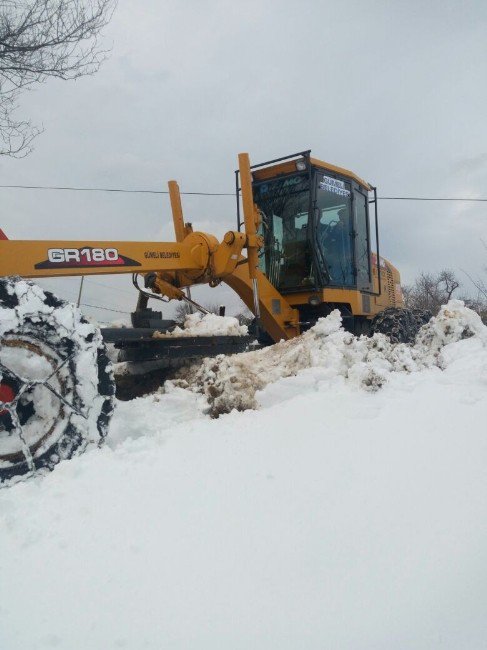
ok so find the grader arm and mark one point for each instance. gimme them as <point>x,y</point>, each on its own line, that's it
<point>195,258</point>
<point>59,342</point>
<point>276,316</point>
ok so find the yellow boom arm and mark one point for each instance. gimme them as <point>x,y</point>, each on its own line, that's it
<point>195,258</point>
<point>37,259</point>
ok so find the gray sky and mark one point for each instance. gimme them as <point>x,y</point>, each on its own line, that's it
<point>395,91</point>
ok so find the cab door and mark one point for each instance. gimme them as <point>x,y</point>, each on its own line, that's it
<point>361,233</point>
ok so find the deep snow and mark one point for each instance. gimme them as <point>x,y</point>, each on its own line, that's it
<point>341,513</point>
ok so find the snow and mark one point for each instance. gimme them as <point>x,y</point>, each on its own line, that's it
<point>207,325</point>
<point>321,356</point>
<point>346,510</point>
<point>119,322</point>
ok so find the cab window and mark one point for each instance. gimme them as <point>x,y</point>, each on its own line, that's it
<point>286,257</point>
<point>334,229</point>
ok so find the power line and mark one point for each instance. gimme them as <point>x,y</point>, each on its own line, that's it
<point>426,198</point>
<point>107,286</point>
<point>137,191</point>
<point>118,311</point>
<point>85,304</point>
<point>109,189</point>
<point>90,281</point>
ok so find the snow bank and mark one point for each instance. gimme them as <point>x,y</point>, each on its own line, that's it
<point>327,352</point>
<point>207,325</point>
<point>334,516</point>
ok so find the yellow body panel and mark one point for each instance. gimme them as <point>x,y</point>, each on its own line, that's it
<point>277,316</point>
<point>350,297</point>
<point>37,259</point>
<point>361,303</point>
<point>289,167</point>
<point>177,210</point>
<point>262,174</point>
<point>199,257</point>
<point>340,170</point>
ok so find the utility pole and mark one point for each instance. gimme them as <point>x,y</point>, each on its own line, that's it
<point>80,290</point>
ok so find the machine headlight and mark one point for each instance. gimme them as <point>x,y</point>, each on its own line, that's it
<point>300,165</point>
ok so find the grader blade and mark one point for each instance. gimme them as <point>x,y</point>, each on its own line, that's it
<point>147,358</point>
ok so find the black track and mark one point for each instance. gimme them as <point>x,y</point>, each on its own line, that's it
<point>400,325</point>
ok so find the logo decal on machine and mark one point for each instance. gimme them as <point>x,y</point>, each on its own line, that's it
<point>66,258</point>
<point>334,185</point>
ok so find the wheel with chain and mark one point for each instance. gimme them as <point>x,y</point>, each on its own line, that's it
<point>56,381</point>
<point>400,325</point>
<point>422,316</point>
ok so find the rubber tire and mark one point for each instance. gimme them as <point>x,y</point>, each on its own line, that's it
<point>400,325</point>
<point>68,343</point>
<point>422,316</point>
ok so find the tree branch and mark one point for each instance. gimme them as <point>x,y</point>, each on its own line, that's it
<point>40,39</point>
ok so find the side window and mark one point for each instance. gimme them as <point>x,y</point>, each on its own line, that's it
<point>362,247</point>
<point>334,229</point>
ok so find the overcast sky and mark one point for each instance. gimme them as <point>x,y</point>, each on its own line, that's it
<point>395,91</point>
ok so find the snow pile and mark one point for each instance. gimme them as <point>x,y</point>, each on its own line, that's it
<point>117,323</point>
<point>453,323</point>
<point>207,325</point>
<point>327,352</point>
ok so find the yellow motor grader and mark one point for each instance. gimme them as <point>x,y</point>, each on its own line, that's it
<point>306,243</point>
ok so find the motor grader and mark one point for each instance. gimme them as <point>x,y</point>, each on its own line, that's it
<point>306,243</point>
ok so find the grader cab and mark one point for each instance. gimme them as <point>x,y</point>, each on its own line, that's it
<point>319,224</point>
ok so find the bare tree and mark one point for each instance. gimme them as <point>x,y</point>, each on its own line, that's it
<point>430,291</point>
<point>481,287</point>
<point>479,304</point>
<point>40,39</point>
<point>479,283</point>
<point>245,317</point>
<point>183,309</point>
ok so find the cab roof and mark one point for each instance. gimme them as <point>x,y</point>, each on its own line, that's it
<point>289,166</point>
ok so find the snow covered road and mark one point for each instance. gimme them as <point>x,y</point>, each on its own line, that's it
<point>331,517</point>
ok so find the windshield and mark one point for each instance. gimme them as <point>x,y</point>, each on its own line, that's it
<point>286,258</point>
<point>334,229</point>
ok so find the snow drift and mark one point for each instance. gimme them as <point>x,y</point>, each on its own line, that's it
<point>337,514</point>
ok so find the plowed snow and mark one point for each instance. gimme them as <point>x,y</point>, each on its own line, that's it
<point>327,351</point>
<point>207,325</point>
